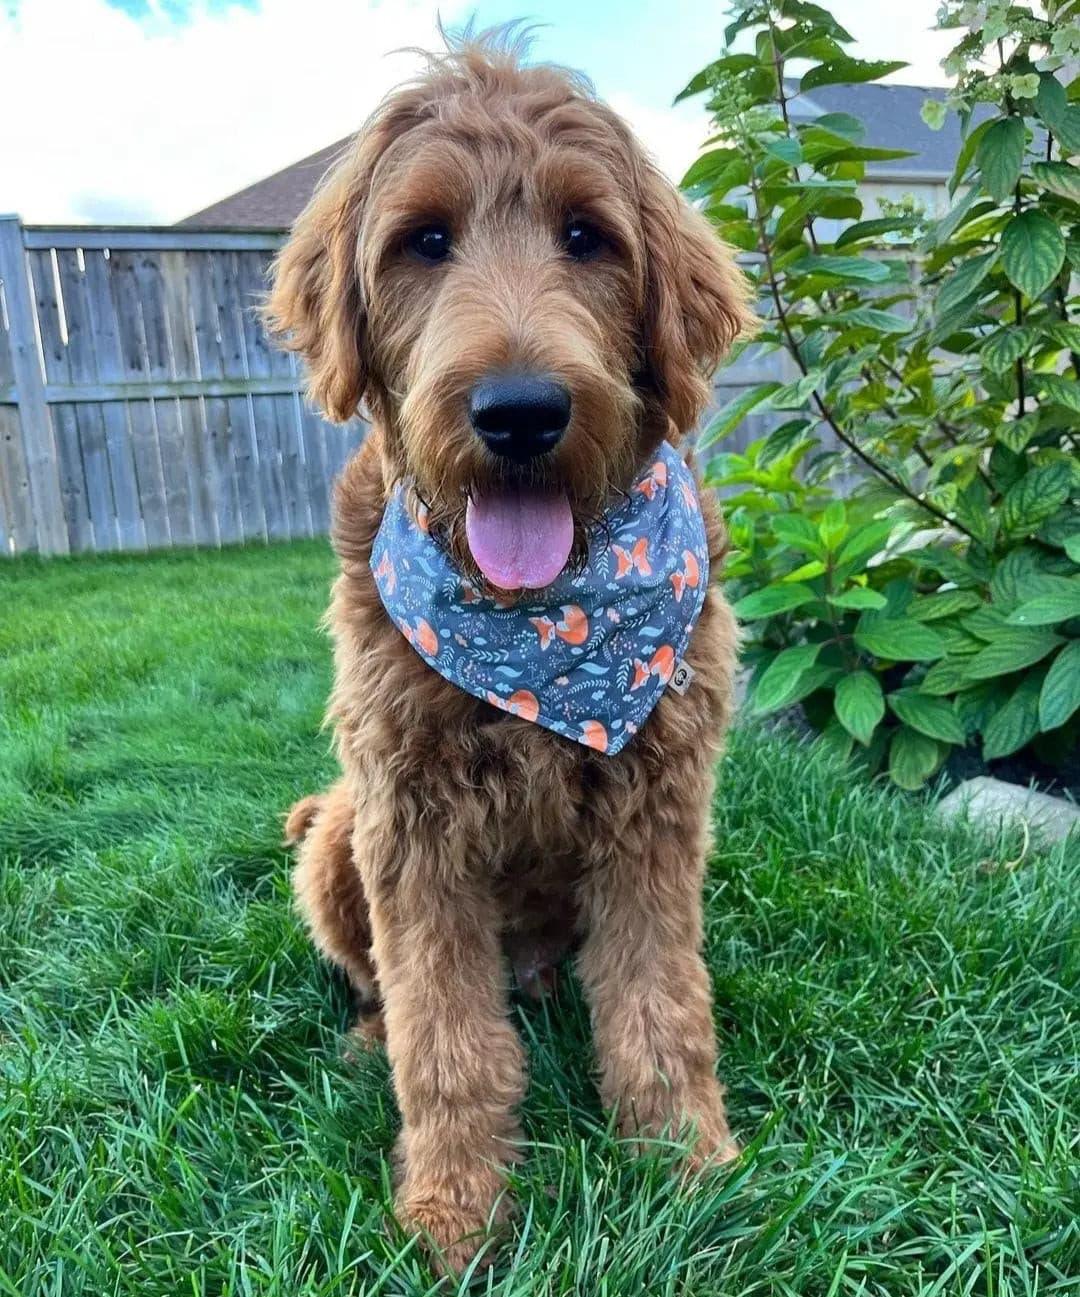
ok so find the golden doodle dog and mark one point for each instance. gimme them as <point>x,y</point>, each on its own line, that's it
<point>529,313</point>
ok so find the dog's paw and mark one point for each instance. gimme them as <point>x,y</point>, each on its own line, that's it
<point>711,1151</point>
<point>364,1037</point>
<point>451,1234</point>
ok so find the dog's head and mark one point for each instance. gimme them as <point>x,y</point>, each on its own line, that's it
<point>525,305</point>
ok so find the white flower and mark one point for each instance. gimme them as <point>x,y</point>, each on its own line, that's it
<point>933,113</point>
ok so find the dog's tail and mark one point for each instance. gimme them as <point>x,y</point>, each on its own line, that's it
<point>302,816</point>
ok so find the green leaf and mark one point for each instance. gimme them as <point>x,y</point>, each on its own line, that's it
<point>932,607</point>
<point>942,231</point>
<point>859,705</point>
<point>1035,498</point>
<point>1048,609</point>
<point>706,78</point>
<point>1059,177</point>
<point>967,152</point>
<point>1019,576</point>
<point>1012,651</point>
<point>1014,724</point>
<point>786,149</point>
<point>1060,695</point>
<point>806,572</point>
<point>1000,156</point>
<point>913,758</point>
<point>963,282</point>
<point>798,531</point>
<point>772,600</point>
<point>1005,347</point>
<point>843,124</point>
<point>861,268</point>
<point>868,230</point>
<point>833,526</point>
<point>1072,546</point>
<point>863,542</point>
<point>944,677</point>
<point>793,396</point>
<point>1051,101</point>
<point>899,639</point>
<point>733,414</point>
<point>777,684</point>
<point>858,597</point>
<point>847,71</point>
<point>869,317</point>
<point>931,716</point>
<point>1032,252</point>
<point>1016,433</point>
<point>1065,391</point>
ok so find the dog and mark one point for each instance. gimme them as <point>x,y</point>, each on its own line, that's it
<point>528,312</point>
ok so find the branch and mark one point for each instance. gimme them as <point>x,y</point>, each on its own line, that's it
<point>895,482</point>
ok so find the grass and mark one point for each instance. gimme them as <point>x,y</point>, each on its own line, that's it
<point>897,1024</point>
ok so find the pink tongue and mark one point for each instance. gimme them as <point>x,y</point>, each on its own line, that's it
<point>520,539</point>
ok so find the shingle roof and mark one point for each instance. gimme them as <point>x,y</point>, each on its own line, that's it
<point>274,202</point>
<point>890,114</point>
<point>891,117</point>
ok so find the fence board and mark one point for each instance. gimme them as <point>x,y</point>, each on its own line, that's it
<point>19,533</point>
<point>76,503</point>
<point>92,289</point>
<point>89,418</point>
<point>35,426</point>
<point>122,302</point>
<point>225,276</point>
<point>318,477</point>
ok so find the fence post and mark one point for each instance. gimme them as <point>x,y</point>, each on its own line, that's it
<point>41,462</point>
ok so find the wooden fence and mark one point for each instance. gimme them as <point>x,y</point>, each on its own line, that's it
<point>142,405</point>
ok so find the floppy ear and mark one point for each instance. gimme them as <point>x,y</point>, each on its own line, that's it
<point>697,302</point>
<point>316,301</point>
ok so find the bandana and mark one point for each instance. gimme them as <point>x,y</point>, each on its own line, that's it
<point>588,656</point>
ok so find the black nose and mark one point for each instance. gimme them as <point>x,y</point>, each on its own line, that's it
<point>519,415</point>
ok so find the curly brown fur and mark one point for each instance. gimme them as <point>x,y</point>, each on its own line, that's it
<point>458,834</point>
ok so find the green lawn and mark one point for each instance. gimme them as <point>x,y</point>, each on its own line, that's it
<point>897,1023</point>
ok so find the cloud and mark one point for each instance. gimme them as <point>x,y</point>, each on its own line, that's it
<point>673,136</point>
<point>109,118</point>
<point>147,110</point>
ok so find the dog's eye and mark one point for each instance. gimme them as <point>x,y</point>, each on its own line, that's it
<point>582,240</point>
<point>431,242</point>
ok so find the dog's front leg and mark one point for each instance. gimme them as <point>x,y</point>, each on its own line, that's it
<point>646,982</point>
<point>458,1065</point>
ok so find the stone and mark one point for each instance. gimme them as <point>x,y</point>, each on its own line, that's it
<point>991,803</point>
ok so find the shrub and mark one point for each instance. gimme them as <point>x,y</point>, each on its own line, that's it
<point>938,604</point>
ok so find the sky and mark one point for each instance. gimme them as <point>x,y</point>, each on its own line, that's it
<point>133,111</point>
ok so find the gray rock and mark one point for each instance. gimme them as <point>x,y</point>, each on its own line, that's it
<point>991,803</point>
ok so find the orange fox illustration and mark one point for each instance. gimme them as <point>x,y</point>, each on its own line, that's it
<point>573,626</point>
<point>655,481</point>
<point>688,578</point>
<point>661,664</point>
<point>385,572</point>
<point>594,734</point>
<point>522,703</point>
<point>638,557</point>
<point>423,637</point>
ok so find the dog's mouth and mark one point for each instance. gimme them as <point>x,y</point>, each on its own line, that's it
<point>519,536</point>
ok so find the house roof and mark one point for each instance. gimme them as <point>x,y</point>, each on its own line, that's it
<point>274,202</point>
<point>890,114</point>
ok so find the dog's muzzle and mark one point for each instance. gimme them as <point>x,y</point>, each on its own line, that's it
<point>519,416</point>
